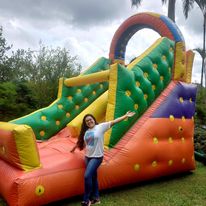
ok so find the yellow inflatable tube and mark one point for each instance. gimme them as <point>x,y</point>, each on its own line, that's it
<point>97,109</point>
<point>87,79</point>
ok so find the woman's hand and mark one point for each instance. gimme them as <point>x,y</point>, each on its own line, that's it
<point>130,114</point>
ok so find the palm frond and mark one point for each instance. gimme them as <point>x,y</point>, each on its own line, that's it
<point>202,5</point>
<point>201,52</point>
<point>136,2</point>
<point>187,6</point>
<point>164,1</point>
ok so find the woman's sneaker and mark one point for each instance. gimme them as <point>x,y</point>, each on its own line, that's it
<point>95,201</point>
<point>85,203</point>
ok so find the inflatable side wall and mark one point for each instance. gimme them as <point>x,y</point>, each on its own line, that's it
<point>71,101</point>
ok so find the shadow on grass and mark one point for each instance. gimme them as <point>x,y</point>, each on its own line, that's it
<point>122,188</point>
<point>148,183</point>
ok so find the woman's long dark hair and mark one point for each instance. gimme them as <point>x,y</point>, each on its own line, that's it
<point>84,128</point>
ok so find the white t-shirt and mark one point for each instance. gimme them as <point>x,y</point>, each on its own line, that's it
<point>94,139</point>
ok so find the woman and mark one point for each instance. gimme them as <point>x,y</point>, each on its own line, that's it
<point>92,138</point>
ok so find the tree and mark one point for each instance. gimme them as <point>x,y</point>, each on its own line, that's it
<point>7,100</point>
<point>42,69</point>
<point>203,56</point>
<point>16,99</point>
<point>201,105</point>
<point>187,6</point>
<point>171,7</point>
<point>202,5</point>
<point>5,72</point>
<point>29,79</point>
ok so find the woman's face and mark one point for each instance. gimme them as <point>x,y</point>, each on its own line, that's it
<point>90,122</point>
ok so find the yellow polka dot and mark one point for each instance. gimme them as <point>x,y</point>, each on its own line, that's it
<point>181,99</point>
<point>85,99</point>
<point>161,78</point>
<point>57,122</point>
<point>172,118</point>
<point>101,86</point>
<point>169,69</point>
<point>43,118</point>
<point>2,150</point>
<point>136,167</point>
<point>183,118</point>
<point>163,57</point>
<point>42,133</point>
<point>94,92</point>
<point>191,100</point>
<point>79,90</point>
<point>69,97</point>
<point>39,190</point>
<point>154,164</point>
<point>145,96</point>
<point>146,75</point>
<point>136,106</point>
<point>180,128</point>
<point>60,106</point>
<point>183,140</point>
<point>171,49</point>
<point>128,93</point>
<point>170,140</point>
<point>67,114</point>
<point>76,106</point>
<point>155,66</point>
<point>153,87</point>
<point>137,83</point>
<point>155,140</point>
<point>170,162</point>
<point>183,160</point>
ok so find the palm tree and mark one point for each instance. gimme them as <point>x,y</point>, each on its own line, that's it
<point>202,5</point>
<point>203,55</point>
<point>171,7</point>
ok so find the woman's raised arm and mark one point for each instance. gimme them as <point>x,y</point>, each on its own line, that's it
<point>119,119</point>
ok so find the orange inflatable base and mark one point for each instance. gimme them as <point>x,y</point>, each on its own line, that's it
<point>150,149</point>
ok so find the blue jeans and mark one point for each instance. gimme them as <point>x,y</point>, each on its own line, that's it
<point>91,189</point>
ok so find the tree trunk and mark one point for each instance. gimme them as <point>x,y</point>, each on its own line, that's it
<point>203,59</point>
<point>171,9</point>
<point>204,25</point>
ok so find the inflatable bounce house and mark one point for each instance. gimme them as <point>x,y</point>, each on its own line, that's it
<point>36,165</point>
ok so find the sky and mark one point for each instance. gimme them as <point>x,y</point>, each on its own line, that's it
<point>86,27</point>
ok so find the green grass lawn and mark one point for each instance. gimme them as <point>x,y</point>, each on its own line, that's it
<point>188,189</point>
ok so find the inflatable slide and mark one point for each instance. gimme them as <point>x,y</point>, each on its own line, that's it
<point>36,166</point>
